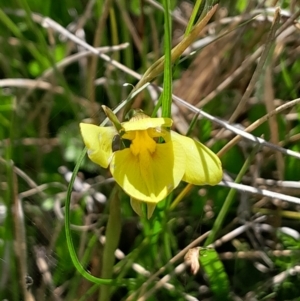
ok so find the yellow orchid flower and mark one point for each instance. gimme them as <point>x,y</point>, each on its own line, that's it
<point>156,160</point>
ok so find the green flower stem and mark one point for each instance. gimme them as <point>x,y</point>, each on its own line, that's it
<point>228,201</point>
<point>192,124</point>
<point>69,239</point>
<point>112,234</point>
<point>167,88</point>
<point>85,259</point>
<point>11,26</point>
<point>156,108</point>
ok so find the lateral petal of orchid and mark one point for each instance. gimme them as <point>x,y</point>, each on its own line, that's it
<point>202,165</point>
<point>149,177</point>
<point>98,140</point>
<point>146,123</point>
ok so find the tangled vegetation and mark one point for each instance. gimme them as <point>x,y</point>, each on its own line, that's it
<point>230,73</point>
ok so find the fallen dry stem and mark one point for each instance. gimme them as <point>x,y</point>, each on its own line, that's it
<point>257,123</point>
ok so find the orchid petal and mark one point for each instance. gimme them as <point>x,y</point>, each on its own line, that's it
<point>146,123</point>
<point>149,177</point>
<point>202,165</point>
<point>98,141</point>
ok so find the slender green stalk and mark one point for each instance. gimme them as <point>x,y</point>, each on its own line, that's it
<point>128,51</point>
<point>85,259</point>
<point>192,124</point>
<point>198,8</point>
<point>167,91</point>
<point>114,32</point>
<point>70,244</point>
<point>10,24</point>
<point>156,108</point>
<point>69,239</point>
<point>16,31</point>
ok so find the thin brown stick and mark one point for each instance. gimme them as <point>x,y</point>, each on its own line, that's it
<point>20,241</point>
<point>127,22</point>
<point>30,83</point>
<point>256,254</point>
<point>257,123</point>
<point>273,124</point>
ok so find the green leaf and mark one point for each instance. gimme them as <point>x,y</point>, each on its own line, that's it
<point>217,277</point>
